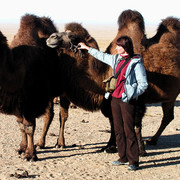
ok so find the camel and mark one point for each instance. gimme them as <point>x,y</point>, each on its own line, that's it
<point>161,55</point>
<point>83,77</point>
<point>161,60</point>
<point>27,77</point>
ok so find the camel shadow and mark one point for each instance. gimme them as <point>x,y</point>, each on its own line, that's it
<point>161,162</point>
<point>96,147</point>
<point>176,104</point>
<point>165,142</point>
<point>165,145</point>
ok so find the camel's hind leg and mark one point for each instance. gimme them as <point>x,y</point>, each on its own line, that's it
<point>64,106</point>
<point>168,116</point>
<point>48,117</point>
<point>106,110</point>
<point>140,111</point>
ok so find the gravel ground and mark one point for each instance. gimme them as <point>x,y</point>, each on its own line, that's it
<point>85,133</point>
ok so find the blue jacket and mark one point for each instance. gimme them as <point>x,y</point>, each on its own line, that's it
<point>136,79</point>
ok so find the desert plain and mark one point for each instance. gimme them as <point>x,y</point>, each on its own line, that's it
<point>85,134</point>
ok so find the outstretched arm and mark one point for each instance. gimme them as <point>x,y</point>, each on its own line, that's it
<point>104,57</point>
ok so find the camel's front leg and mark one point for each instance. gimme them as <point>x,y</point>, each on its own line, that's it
<point>23,144</point>
<point>48,117</point>
<point>29,127</point>
<point>64,106</point>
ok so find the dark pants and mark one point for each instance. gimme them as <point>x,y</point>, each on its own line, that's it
<point>123,118</point>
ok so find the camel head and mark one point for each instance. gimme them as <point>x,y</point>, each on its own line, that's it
<point>74,33</point>
<point>59,40</point>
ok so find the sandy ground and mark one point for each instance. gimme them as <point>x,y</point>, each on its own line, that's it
<point>85,133</point>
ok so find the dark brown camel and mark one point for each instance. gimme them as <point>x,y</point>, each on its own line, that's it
<point>161,55</point>
<point>83,76</point>
<point>27,77</point>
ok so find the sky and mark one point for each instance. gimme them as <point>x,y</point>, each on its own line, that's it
<point>88,11</point>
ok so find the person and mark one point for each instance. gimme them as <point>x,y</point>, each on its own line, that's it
<point>131,82</point>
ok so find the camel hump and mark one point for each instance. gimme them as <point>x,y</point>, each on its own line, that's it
<point>167,32</point>
<point>171,23</point>
<point>131,16</point>
<point>28,19</point>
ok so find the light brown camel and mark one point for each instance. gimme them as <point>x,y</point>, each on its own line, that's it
<point>161,55</point>
<point>161,58</point>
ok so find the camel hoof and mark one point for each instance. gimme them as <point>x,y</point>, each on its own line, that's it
<point>30,158</point>
<point>37,146</point>
<point>20,151</point>
<point>73,107</point>
<point>60,146</point>
<point>109,149</point>
<point>142,153</point>
<point>151,142</point>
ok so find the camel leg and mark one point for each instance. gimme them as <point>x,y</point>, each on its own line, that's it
<point>48,117</point>
<point>23,144</point>
<point>111,146</point>
<point>139,113</point>
<point>106,110</point>
<point>29,127</point>
<point>64,106</point>
<point>168,116</point>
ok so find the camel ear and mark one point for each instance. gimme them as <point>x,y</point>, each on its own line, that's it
<point>88,38</point>
<point>68,31</point>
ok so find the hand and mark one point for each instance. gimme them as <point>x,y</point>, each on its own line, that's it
<point>81,45</point>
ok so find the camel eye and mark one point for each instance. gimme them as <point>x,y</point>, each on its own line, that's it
<point>53,36</point>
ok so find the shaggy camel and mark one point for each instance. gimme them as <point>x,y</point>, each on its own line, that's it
<point>161,58</point>
<point>84,75</point>
<point>161,55</point>
<point>27,77</point>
